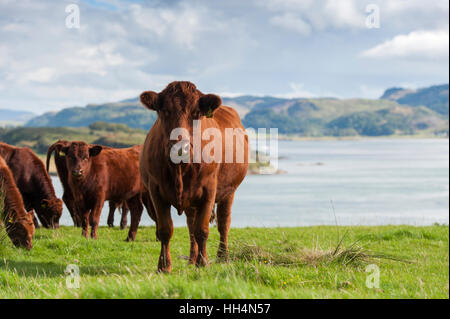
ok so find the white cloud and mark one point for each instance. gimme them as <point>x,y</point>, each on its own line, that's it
<point>297,90</point>
<point>14,27</point>
<point>307,16</point>
<point>291,22</point>
<point>41,75</point>
<point>370,92</point>
<point>182,24</point>
<point>233,46</point>
<point>344,14</point>
<point>416,44</point>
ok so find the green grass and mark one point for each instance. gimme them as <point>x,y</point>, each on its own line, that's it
<point>302,262</point>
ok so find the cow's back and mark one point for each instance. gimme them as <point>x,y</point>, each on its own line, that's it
<point>119,170</point>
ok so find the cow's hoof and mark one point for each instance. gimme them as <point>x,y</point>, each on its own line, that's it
<point>129,239</point>
<point>111,225</point>
<point>202,262</point>
<point>164,270</point>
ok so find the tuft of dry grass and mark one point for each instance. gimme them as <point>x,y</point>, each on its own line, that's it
<point>351,255</point>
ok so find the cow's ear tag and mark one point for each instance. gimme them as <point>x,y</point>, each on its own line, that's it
<point>62,154</point>
<point>209,114</point>
<point>44,206</point>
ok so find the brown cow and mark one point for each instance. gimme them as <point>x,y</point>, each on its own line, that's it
<point>191,187</point>
<point>98,174</point>
<point>61,168</point>
<point>34,184</point>
<point>18,223</point>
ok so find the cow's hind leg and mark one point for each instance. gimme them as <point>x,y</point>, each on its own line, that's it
<point>147,201</point>
<point>135,206</point>
<point>190,218</point>
<point>69,201</point>
<point>112,209</point>
<point>223,225</point>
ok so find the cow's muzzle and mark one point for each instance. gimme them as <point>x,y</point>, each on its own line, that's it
<point>77,173</point>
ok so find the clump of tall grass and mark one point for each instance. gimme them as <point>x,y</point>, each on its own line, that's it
<point>350,255</point>
<point>3,234</point>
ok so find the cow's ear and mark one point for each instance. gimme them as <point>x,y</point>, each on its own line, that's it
<point>208,104</point>
<point>150,100</point>
<point>63,150</point>
<point>95,150</point>
<point>45,203</point>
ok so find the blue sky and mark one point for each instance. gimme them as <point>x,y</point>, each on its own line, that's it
<point>288,48</point>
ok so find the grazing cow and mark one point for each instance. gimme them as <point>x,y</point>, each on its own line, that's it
<point>34,184</point>
<point>98,174</point>
<point>18,223</point>
<point>193,187</point>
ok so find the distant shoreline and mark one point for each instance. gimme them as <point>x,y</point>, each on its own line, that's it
<point>283,137</point>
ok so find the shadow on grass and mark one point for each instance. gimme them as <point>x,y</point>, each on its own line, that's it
<point>51,270</point>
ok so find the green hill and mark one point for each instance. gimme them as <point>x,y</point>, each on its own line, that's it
<point>434,97</point>
<point>39,138</point>
<point>424,113</point>
<point>129,112</point>
<point>333,117</point>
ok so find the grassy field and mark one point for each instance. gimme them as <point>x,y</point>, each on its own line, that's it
<point>302,262</point>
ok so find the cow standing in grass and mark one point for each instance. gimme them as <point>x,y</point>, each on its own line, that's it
<point>190,187</point>
<point>63,174</point>
<point>97,174</point>
<point>18,223</point>
<point>34,184</point>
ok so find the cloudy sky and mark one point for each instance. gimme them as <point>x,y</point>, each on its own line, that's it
<point>291,48</point>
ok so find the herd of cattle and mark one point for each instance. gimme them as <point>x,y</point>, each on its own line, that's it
<point>131,178</point>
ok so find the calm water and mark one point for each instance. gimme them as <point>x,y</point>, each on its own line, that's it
<point>369,182</point>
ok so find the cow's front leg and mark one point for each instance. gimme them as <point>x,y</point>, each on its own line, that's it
<point>85,223</point>
<point>201,231</point>
<point>165,229</point>
<point>95,214</point>
<point>223,225</point>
